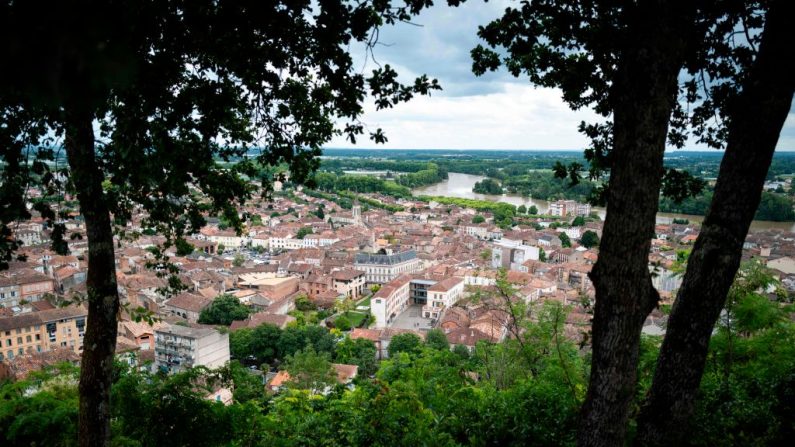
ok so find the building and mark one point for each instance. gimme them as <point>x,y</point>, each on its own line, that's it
<point>512,254</point>
<point>273,286</point>
<point>179,347</point>
<point>34,285</point>
<point>9,292</point>
<point>382,268</point>
<point>187,305</point>
<point>43,331</point>
<point>390,300</point>
<point>442,295</point>
<point>568,208</point>
<point>348,282</point>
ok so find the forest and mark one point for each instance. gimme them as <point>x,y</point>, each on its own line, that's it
<point>529,173</point>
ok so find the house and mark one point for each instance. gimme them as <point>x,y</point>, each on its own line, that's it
<point>344,375</point>
<point>442,295</point>
<point>187,305</point>
<point>348,282</point>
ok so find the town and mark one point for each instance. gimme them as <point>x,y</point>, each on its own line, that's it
<point>365,272</point>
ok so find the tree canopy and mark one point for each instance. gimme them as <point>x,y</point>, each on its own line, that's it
<point>224,310</point>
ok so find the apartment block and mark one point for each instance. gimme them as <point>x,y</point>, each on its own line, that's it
<point>43,331</point>
<point>178,348</point>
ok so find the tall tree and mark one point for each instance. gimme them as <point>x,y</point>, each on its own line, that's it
<point>755,107</point>
<point>146,96</point>
<point>624,59</point>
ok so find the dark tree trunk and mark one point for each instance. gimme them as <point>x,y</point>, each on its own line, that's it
<point>643,96</point>
<point>99,344</point>
<point>755,123</point>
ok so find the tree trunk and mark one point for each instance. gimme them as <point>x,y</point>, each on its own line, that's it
<point>99,344</point>
<point>643,96</point>
<point>755,122</point>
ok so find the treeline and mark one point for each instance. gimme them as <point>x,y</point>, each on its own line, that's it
<point>345,200</point>
<point>330,182</point>
<point>413,174</point>
<point>544,185</point>
<point>487,186</point>
<point>503,212</point>
<point>772,206</point>
<point>432,174</point>
<point>339,165</point>
<point>371,202</point>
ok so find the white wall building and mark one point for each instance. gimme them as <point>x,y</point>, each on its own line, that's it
<point>381,269</point>
<point>442,295</point>
<point>390,301</point>
<point>178,348</point>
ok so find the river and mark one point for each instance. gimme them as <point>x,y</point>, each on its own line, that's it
<point>460,185</point>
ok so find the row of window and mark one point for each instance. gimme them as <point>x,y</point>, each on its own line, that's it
<point>10,353</point>
<point>28,339</point>
<point>27,329</point>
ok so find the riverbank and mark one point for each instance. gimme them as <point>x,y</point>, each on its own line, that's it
<point>460,185</point>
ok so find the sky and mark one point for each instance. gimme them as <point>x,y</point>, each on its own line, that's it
<point>494,111</point>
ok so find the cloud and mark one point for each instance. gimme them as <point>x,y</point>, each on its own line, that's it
<point>495,111</point>
<point>518,117</point>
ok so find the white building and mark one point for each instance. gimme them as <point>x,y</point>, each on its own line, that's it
<point>568,208</point>
<point>571,232</point>
<point>512,254</point>
<point>178,348</point>
<point>390,300</point>
<point>442,295</point>
<point>381,269</point>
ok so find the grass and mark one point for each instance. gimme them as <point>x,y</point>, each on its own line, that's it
<point>355,318</point>
<point>364,302</point>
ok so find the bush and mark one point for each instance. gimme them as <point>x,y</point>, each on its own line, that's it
<point>342,323</point>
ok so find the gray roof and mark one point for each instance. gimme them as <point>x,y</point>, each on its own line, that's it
<point>397,258</point>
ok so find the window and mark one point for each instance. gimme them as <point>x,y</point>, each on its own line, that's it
<point>10,354</point>
<point>20,351</point>
<point>28,339</point>
<point>19,340</point>
<point>9,342</point>
<point>38,337</point>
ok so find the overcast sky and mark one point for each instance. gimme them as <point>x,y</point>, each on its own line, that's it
<point>494,111</point>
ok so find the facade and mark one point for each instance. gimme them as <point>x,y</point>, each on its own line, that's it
<point>34,285</point>
<point>381,269</point>
<point>390,300</point>
<point>178,348</point>
<point>568,208</point>
<point>10,294</point>
<point>512,254</point>
<point>43,331</point>
<point>442,295</point>
<point>348,282</point>
<point>187,305</point>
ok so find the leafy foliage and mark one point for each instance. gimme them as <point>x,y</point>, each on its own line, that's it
<point>589,239</point>
<point>224,310</point>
